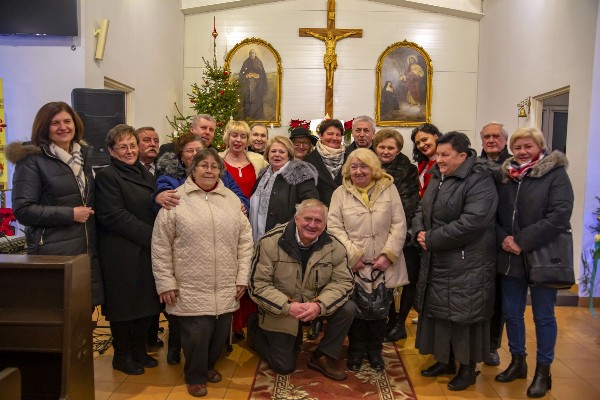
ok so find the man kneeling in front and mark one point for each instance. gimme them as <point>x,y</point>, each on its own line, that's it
<point>299,273</point>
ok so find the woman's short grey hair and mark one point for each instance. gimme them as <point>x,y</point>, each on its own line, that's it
<point>203,155</point>
<point>120,132</point>
<point>282,140</point>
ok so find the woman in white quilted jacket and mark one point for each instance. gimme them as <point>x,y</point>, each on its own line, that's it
<point>201,252</point>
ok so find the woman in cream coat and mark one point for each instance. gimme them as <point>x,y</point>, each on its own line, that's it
<point>366,215</point>
<point>201,252</point>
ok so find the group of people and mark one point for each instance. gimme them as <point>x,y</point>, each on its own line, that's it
<point>275,234</point>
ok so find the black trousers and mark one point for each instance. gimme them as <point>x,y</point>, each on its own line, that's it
<point>174,331</point>
<point>202,341</point>
<point>129,338</point>
<point>279,349</point>
<point>497,321</point>
<point>366,336</point>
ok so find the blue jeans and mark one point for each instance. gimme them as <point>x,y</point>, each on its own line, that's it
<point>543,300</point>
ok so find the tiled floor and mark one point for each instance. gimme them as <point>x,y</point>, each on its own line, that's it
<point>575,371</point>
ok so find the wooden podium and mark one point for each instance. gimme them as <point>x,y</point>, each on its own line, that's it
<point>46,326</point>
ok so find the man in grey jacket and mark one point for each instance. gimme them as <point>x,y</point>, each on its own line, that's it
<point>299,273</point>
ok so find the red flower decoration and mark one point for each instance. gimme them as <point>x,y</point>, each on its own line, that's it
<point>348,125</point>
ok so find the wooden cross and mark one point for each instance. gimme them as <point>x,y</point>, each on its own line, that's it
<point>330,36</point>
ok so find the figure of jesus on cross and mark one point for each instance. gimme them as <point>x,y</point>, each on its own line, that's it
<point>330,58</point>
<point>330,36</point>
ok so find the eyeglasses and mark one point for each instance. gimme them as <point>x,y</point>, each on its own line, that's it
<point>208,167</point>
<point>192,151</point>
<point>301,144</point>
<point>123,148</point>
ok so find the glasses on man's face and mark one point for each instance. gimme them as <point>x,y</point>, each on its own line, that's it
<point>301,144</point>
<point>123,148</point>
<point>208,167</point>
<point>193,150</point>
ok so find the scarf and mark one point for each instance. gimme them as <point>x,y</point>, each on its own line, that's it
<point>517,172</point>
<point>74,160</point>
<point>259,202</point>
<point>332,158</point>
<point>364,193</point>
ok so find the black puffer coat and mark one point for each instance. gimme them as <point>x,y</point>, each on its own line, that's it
<point>43,197</point>
<point>542,206</point>
<point>406,180</point>
<point>457,277</point>
<point>125,222</point>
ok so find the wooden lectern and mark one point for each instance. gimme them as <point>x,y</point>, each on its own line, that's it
<point>46,326</point>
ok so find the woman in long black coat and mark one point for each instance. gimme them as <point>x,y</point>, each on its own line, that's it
<point>455,227</point>
<point>53,189</point>
<point>125,223</point>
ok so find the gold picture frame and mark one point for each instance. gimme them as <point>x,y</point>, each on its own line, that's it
<point>260,80</point>
<point>404,98</point>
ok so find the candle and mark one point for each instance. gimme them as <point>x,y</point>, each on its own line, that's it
<point>271,125</point>
<point>214,23</point>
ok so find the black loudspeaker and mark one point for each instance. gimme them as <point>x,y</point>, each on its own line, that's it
<point>100,110</point>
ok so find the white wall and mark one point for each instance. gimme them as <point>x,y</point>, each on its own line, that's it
<point>592,182</point>
<point>144,50</point>
<point>451,42</point>
<point>528,48</point>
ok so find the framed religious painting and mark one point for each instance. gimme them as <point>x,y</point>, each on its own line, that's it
<point>403,85</point>
<point>257,66</point>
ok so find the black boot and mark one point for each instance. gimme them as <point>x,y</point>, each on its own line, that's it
<point>466,376</point>
<point>542,381</point>
<point>517,369</point>
<point>398,332</point>
<point>440,369</point>
<point>126,364</point>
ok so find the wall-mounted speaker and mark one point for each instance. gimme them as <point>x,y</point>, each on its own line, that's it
<point>101,34</point>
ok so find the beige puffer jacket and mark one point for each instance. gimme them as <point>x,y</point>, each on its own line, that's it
<point>370,232</point>
<point>203,248</point>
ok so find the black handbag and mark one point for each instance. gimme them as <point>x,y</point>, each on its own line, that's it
<point>551,265</point>
<point>374,305</point>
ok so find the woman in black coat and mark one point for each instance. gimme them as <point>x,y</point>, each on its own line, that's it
<point>388,144</point>
<point>535,205</point>
<point>279,187</point>
<point>125,223</point>
<point>53,189</point>
<point>455,227</point>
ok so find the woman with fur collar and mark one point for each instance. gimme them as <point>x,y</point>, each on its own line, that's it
<point>535,205</point>
<point>279,187</point>
<point>53,189</point>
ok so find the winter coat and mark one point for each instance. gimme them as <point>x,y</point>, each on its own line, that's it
<point>371,231</point>
<point>457,276</point>
<point>296,183</point>
<point>277,278</point>
<point>326,185</point>
<point>172,174</point>
<point>202,248</point>
<point>504,155</point>
<point>125,220</point>
<point>406,180</point>
<point>542,204</point>
<point>44,195</point>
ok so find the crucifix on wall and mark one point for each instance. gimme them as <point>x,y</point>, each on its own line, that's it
<point>330,36</point>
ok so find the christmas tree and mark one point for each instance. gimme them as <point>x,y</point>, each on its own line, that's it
<point>218,96</point>
<point>588,276</point>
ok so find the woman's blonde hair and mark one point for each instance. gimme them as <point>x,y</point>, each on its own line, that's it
<point>369,158</point>
<point>534,133</point>
<point>236,126</point>
<point>285,141</point>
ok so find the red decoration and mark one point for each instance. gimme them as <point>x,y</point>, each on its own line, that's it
<point>225,73</point>
<point>6,217</point>
<point>219,123</point>
<point>348,125</point>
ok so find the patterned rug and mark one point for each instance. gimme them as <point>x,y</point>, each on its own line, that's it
<point>306,384</point>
